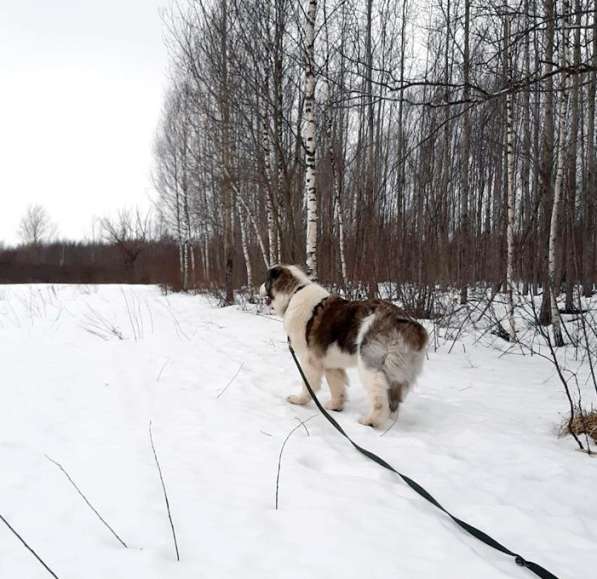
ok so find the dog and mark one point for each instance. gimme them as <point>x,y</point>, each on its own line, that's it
<point>330,334</point>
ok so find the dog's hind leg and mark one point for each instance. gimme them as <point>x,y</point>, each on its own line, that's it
<point>376,385</point>
<point>313,373</point>
<point>337,381</point>
<point>396,395</point>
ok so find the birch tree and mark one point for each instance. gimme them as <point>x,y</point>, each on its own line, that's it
<point>555,213</point>
<point>547,156</point>
<point>510,167</point>
<point>246,254</point>
<point>309,133</point>
<point>464,265</point>
<point>590,180</point>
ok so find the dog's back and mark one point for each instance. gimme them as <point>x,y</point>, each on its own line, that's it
<point>374,329</point>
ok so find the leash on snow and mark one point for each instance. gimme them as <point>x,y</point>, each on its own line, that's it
<point>478,534</point>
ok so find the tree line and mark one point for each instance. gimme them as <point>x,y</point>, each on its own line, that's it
<point>448,143</point>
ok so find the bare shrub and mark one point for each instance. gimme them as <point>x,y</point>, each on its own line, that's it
<point>583,423</point>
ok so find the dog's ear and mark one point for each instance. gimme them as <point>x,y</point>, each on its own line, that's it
<point>272,275</point>
<point>274,272</point>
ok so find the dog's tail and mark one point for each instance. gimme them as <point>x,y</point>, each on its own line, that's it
<point>404,359</point>
<point>395,345</point>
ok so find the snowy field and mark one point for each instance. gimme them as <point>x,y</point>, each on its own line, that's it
<point>84,369</point>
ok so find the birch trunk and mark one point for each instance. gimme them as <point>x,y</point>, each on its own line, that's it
<point>590,184</point>
<point>226,153</point>
<point>271,235</point>
<point>336,198</point>
<point>336,178</point>
<point>185,266</point>
<point>510,217</point>
<point>254,224</point>
<point>269,210</point>
<point>553,231</point>
<point>570,252</point>
<point>309,142</point>
<point>466,152</point>
<point>510,172</point>
<point>186,215</point>
<point>443,203</point>
<point>555,212</point>
<point>546,170</point>
<point>280,201</point>
<point>526,202</point>
<point>179,239</point>
<point>206,263</point>
<point>193,272</point>
<point>246,254</point>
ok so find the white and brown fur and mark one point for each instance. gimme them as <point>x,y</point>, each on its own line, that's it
<point>330,334</point>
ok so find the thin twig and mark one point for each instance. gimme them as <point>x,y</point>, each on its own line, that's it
<point>231,380</point>
<point>162,369</point>
<point>391,425</point>
<point>28,547</point>
<point>155,455</point>
<point>72,482</point>
<point>301,423</point>
<point>304,425</point>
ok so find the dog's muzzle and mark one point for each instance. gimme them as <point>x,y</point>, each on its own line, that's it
<point>263,294</point>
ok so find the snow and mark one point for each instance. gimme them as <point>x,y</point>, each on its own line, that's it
<point>85,368</point>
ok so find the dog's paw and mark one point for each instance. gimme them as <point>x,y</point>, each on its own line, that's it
<point>335,405</point>
<point>297,399</point>
<point>372,420</point>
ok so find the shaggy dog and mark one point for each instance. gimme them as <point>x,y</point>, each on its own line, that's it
<point>330,334</point>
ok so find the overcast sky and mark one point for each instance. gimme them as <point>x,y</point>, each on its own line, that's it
<point>81,92</point>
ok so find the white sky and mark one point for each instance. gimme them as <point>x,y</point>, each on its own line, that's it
<point>81,84</point>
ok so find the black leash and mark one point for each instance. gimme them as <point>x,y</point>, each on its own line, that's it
<point>484,537</point>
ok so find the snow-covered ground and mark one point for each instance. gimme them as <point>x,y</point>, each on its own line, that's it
<point>83,370</point>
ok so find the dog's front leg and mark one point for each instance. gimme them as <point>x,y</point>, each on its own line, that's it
<point>313,372</point>
<point>337,381</point>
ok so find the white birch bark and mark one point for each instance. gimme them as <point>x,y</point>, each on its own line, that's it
<point>186,216</point>
<point>193,272</point>
<point>555,212</point>
<point>255,226</point>
<point>226,154</point>
<point>179,237</point>
<point>341,243</point>
<point>246,254</point>
<point>206,262</point>
<point>555,217</point>
<point>185,267</point>
<point>269,210</point>
<point>510,216</point>
<point>510,173</point>
<point>336,194</point>
<point>309,141</point>
<point>271,235</point>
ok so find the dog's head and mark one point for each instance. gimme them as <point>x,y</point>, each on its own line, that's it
<point>280,284</point>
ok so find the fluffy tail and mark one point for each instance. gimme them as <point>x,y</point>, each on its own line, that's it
<point>404,360</point>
